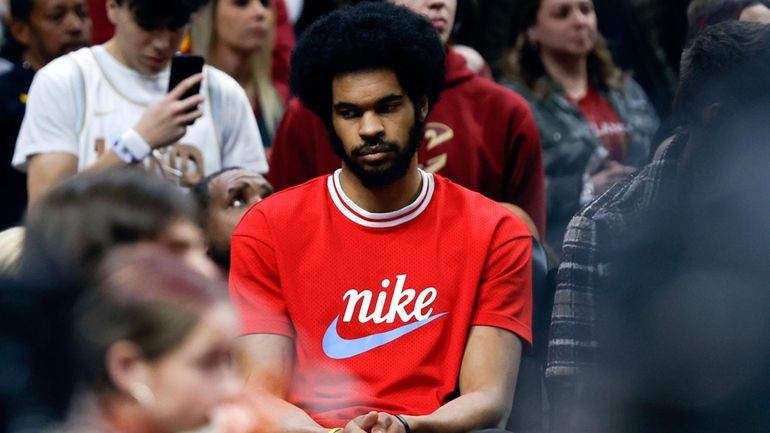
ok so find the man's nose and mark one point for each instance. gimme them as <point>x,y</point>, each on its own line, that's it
<point>370,125</point>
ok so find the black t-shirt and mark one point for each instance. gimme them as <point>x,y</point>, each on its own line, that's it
<point>15,80</point>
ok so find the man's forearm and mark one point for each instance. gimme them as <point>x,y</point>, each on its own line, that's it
<point>469,412</point>
<point>276,415</point>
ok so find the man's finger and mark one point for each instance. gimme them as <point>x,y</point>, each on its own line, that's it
<point>185,85</point>
<point>190,117</point>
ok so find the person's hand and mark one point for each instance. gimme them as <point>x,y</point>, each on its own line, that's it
<point>374,422</point>
<point>165,121</point>
<point>611,173</point>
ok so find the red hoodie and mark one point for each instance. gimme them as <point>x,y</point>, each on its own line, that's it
<point>479,135</point>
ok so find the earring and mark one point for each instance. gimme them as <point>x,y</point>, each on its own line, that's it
<point>142,394</point>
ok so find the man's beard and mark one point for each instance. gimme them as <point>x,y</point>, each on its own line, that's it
<point>389,172</point>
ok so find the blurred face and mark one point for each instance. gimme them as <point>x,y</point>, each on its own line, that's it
<point>441,13</point>
<point>146,51</point>
<point>757,13</point>
<point>184,238</point>
<point>243,25</point>
<point>193,379</point>
<point>231,194</point>
<point>377,129</point>
<point>55,27</point>
<point>565,27</point>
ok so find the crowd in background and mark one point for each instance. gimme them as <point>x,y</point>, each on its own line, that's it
<point>630,136</point>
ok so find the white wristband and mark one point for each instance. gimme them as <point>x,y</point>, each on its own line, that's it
<point>131,147</point>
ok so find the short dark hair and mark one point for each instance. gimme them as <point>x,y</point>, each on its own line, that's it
<point>78,221</point>
<point>22,9</point>
<point>367,36</point>
<point>728,63</point>
<point>162,14</point>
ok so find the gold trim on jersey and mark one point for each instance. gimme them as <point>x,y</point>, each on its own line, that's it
<point>83,115</point>
<point>209,101</point>
<point>110,83</point>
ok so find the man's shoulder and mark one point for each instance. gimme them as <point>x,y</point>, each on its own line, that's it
<point>64,69</point>
<point>299,201</point>
<point>477,209</point>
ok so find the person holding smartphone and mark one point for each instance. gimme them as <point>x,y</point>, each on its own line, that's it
<point>108,106</point>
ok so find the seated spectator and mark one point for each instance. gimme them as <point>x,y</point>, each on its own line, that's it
<point>154,344</point>
<point>595,123</point>
<point>448,269</point>
<point>237,37</point>
<point>105,107</point>
<point>479,135</point>
<point>703,13</point>
<point>44,29</point>
<point>79,221</point>
<point>724,70</point>
<point>223,198</point>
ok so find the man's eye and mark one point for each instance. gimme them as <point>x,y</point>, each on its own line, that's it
<point>392,107</point>
<point>238,202</point>
<point>347,114</point>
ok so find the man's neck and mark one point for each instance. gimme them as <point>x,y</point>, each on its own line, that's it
<point>386,199</point>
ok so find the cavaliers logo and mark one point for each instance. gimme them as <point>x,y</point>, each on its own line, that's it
<point>436,134</point>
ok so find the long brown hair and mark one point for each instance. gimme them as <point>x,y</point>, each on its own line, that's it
<point>524,65</point>
<point>260,89</point>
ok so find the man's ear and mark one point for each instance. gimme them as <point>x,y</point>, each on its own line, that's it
<point>424,108</point>
<point>20,31</point>
<point>126,366</point>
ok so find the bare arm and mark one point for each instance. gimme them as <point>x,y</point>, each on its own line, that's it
<point>269,366</point>
<point>162,124</point>
<point>487,382</point>
<point>45,170</point>
<point>524,217</point>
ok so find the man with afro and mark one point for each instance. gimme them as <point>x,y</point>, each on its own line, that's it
<point>380,298</point>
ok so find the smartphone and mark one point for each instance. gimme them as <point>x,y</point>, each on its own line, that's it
<point>184,66</point>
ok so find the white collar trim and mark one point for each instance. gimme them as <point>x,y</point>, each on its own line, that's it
<point>365,218</point>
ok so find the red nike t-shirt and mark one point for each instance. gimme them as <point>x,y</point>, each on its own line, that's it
<point>379,306</point>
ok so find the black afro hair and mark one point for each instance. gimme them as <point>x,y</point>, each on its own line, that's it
<point>367,36</point>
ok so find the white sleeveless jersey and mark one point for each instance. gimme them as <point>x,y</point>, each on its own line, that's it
<point>108,98</point>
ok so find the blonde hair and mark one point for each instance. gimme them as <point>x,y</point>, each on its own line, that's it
<point>11,246</point>
<point>260,87</point>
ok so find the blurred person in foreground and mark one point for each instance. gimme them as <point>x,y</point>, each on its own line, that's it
<point>45,30</point>
<point>596,123</point>
<point>687,347</point>
<point>107,106</point>
<point>479,135</point>
<point>154,341</point>
<point>723,72</point>
<point>223,198</point>
<point>237,37</point>
<point>703,13</point>
<point>74,225</point>
<point>380,297</point>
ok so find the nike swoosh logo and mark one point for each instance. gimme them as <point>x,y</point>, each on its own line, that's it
<point>336,347</point>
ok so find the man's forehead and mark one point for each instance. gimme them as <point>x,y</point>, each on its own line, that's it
<point>365,86</point>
